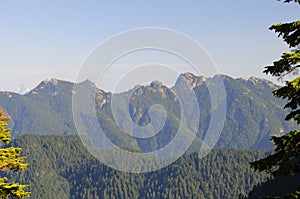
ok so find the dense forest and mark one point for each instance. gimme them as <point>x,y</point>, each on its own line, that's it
<point>61,166</point>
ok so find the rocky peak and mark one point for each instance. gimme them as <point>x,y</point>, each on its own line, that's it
<point>193,80</point>
<point>156,84</point>
<point>256,80</point>
<point>51,81</point>
<point>48,84</point>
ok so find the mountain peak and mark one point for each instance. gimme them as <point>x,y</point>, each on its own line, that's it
<point>52,86</point>
<point>257,80</point>
<point>51,81</point>
<point>156,84</point>
<point>188,74</point>
<point>252,79</point>
<point>191,79</point>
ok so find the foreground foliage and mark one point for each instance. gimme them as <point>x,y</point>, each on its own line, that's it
<point>10,160</point>
<point>286,159</point>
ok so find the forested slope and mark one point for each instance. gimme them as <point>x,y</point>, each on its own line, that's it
<point>59,166</point>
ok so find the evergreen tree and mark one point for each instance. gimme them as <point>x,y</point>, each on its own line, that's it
<point>286,159</point>
<point>10,160</point>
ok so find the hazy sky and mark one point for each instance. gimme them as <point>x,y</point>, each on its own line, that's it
<point>45,39</point>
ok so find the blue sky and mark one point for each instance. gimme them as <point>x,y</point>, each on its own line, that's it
<point>45,39</point>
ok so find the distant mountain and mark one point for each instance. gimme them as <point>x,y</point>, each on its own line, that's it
<point>252,116</point>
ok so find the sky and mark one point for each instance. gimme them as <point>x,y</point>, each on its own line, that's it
<point>52,39</point>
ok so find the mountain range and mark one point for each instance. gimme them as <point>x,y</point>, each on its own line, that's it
<point>253,114</point>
